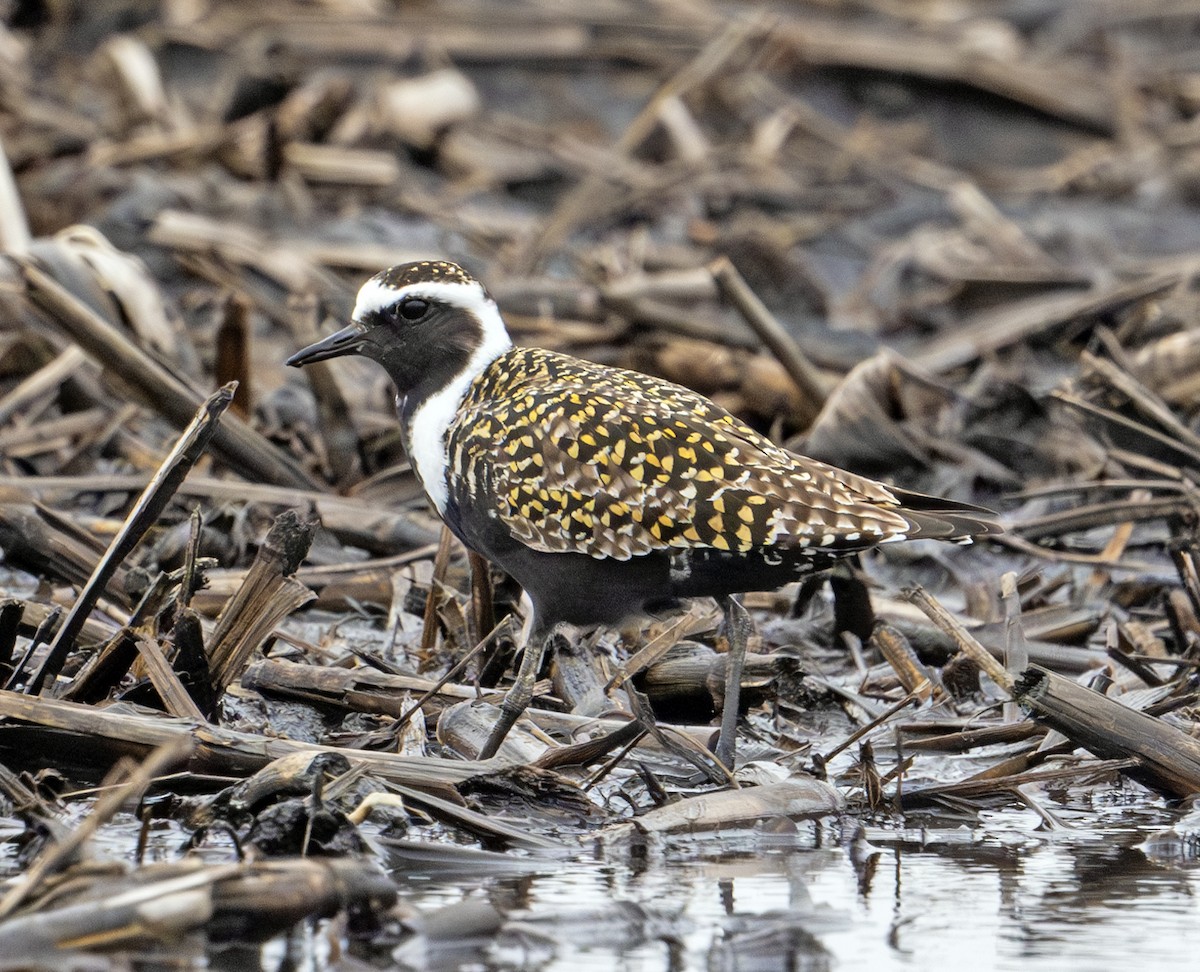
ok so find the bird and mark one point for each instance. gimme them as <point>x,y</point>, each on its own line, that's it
<point>606,493</point>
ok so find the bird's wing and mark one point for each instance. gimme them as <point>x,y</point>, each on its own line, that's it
<point>616,464</point>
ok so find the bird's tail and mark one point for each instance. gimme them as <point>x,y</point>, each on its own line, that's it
<point>936,518</point>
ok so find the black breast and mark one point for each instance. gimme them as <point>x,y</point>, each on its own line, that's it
<point>587,590</point>
<point>566,586</point>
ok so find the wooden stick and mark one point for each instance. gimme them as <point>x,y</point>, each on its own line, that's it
<point>781,344</point>
<point>15,237</point>
<point>966,642</point>
<point>429,627</point>
<point>93,733</point>
<point>1168,758</point>
<point>357,522</point>
<point>237,443</point>
<point>1020,320</point>
<point>575,205</point>
<point>175,697</point>
<point>266,597</point>
<point>145,513</point>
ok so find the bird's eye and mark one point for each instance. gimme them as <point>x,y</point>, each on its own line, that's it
<point>413,308</point>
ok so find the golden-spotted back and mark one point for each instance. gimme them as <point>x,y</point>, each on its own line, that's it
<point>578,457</point>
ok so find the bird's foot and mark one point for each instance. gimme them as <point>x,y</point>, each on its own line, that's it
<point>520,695</point>
<point>738,627</point>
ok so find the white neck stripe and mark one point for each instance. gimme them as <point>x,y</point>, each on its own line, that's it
<point>426,433</point>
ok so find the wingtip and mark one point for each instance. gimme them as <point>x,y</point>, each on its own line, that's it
<point>944,519</point>
<point>952,525</point>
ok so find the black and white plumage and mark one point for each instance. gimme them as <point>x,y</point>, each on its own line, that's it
<point>604,491</point>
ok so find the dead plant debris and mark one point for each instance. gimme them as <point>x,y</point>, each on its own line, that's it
<point>950,246</point>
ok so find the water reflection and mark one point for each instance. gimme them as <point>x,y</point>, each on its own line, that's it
<point>1004,898</point>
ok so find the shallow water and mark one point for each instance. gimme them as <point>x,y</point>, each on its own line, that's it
<point>1001,897</point>
<point>1107,885</point>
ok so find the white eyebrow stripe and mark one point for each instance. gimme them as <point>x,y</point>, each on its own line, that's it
<point>375,295</point>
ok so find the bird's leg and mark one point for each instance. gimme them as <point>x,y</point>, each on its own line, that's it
<point>738,628</point>
<point>521,693</point>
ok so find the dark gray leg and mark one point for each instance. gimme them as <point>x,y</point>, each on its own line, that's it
<point>520,695</point>
<point>738,628</point>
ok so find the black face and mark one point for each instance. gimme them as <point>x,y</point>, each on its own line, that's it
<point>421,340</point>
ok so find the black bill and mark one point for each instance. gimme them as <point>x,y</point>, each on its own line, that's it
<point>346,341</point>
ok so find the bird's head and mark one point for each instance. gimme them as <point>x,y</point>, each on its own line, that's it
<point>426,323</point>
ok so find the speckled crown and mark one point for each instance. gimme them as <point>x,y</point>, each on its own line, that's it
<point>424,271</point>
